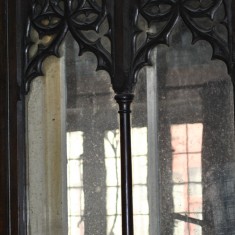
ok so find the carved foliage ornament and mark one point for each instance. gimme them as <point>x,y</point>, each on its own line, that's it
<point>50,21</point>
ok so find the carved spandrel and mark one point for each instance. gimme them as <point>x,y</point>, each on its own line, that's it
<point>84,17</point>
<point>45,33</point>
<point>48,25</point>
<point>207,20</point>
<point>122,34</point>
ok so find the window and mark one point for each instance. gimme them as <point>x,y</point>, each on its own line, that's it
<point>186,140</point>
<point>73,104</point>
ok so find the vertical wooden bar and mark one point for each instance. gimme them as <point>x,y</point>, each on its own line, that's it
<point>11,202</point>
<point>124,101</point>
<point>4,164</point>
<point>122,55</point>
<point>231,21</point>
<point>123,15</point>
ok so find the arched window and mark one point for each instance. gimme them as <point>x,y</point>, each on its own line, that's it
<point>75,163</point>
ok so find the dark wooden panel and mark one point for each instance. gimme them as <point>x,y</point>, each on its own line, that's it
<point>12,159</point>
<point>4,179</point>
<point>12,117</point>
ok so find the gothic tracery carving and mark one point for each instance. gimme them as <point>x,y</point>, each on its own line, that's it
<point>52,19</point>
<point>199,16</point>
<point>48,25</point>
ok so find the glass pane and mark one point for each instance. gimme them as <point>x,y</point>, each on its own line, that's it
<point>74,150</point>
<point>195,138</point>
<point>46,155</point>
<point>93,150</point>
<point>182,142</point>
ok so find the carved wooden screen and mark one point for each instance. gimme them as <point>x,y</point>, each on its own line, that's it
<point>134,29</point>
